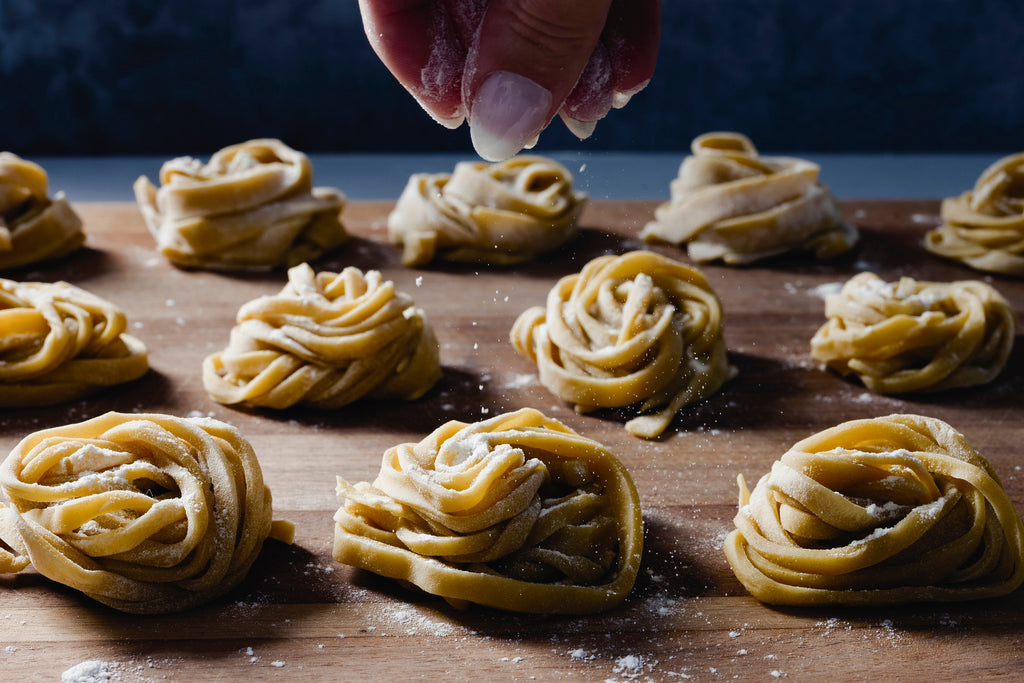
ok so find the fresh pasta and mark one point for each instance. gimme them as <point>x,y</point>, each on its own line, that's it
<point>913,336</point>
<point>638,329</point>
<point>984,227</point>
<point>33,226</point>
<point>884,510</point>
<point>517,512</point>
<point>325,340</point>
<point>500,214</point>
<point>59,343</point>
<point>252,207</point>
<point>145,513</point>
<point>731,204</point>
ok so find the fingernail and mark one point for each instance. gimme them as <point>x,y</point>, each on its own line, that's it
<point>508,112</point>
<point>620,98</point>
<point>581,129</point>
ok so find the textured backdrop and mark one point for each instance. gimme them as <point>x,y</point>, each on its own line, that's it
<point>190,76</point>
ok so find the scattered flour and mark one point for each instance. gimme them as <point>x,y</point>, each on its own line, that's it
<point>824,290</point>
<point>519,380</point>
<point>630,666</point>
<point>90,671</point>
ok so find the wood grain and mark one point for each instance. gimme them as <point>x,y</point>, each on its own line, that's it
<point>300,615</point>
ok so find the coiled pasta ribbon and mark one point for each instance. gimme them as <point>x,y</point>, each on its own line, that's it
<point>33,227</point>
<point>501,213</point>
<point>890,509</point>
<point>984,228</point>
<point>145,513</point>
<point>732,204</point>
<point>325,340</point>
<point>252,207</point>
<point>633,329</point>
<point>909,336</point>
<point>59,343</point>
<point>517,512</point>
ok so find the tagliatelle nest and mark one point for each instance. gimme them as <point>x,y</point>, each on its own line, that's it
<point>145,513</point>
<point>33,226</point>
<point>637,329</point>
<point>984,227</point>
<point>252,207</point>
<point>517,512</point>
<point>59,343</point>
<point>891,509</point>
<point>500,214</point>
<point>911,335</point>
<point>730,203</point>
<point>325,340</point>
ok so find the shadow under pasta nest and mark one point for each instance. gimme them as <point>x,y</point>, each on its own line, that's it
<point>130,397</point>
<point>989,614</point>
<point>449,399</point>
<point>81,265</point>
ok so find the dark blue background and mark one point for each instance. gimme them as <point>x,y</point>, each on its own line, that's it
<point>190,76</point>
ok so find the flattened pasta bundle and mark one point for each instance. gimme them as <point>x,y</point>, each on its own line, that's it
<point>633,329</point>
<point>59,343</point>
<point>517,512</point>
<point>145,513</point>
<point>325,340</point>
<point>984,228</point>
<point>252,207</point>
<point>501,213</point>
<point>732,204</point>
<point>885,510</point>
<point>33,226</point>
<point>910,336</point>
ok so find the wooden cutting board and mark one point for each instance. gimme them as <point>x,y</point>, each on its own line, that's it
<point>302,616</point>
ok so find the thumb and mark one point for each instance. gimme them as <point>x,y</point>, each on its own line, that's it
<point>526,59</point>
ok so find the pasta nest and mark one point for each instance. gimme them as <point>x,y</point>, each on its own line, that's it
<point>911,335</point>
<point>517,512</point>
<point>884,510</point>
<point>501,213</point>
<point>33,226</point>
<point>252,207</point>
<point>145,513</point>
<point>731,204</point>
<point>633,329</point>
<point>325,340</point>
<point>984,228</point>
<point>60,343</point>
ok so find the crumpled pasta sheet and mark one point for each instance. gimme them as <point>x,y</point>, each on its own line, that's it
<point>637,329</point>
<point>500,214</point>
<point>517,512</point>
<point>984,228</point>
<point>915,336</point>
<point>884,510</point>
<point>33,226</point>
<point>145,513</point>
<point>731,204</point>
<point>325,340</point>
<point>59,343</point>
<point>252,207</point>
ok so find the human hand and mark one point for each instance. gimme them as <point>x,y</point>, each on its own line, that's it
<point>509,66</point>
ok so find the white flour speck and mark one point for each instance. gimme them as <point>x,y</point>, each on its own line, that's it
<point>90,671</point>
<point>824,290</point>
